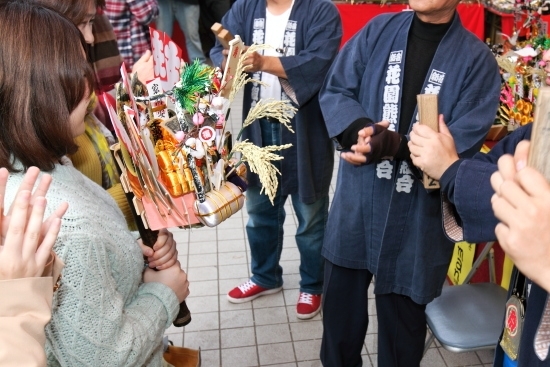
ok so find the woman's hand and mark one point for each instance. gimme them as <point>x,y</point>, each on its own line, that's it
<point>27,240</point>
<point>173,277</point>
<point>164,253</point>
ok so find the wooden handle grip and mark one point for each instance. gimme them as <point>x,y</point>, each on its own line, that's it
<point>428,114</point>
<point>539,150</point>
<point>222,34</point>
<point>149,238</point>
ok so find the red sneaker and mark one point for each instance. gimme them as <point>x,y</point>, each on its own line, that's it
<point>248,291</point>
<point>308,305</point>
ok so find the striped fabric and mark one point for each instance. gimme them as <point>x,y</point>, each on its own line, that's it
<point>130,20</point>
<point>104,53</point>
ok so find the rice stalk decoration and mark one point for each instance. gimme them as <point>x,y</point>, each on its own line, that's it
<point>510,66</point>
<point>282,111</point>
<point>241,77</point>
<point>506,64</point>
<point>259,161</point>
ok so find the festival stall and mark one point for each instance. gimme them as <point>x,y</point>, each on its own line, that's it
<point>356,15</point>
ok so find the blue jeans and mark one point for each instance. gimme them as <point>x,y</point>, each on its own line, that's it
<point>187,16</point>
<point>265,231</point>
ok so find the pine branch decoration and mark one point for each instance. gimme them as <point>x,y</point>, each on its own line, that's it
<point>195,82</point>
<point>241,77</point>
<point>259,161</point>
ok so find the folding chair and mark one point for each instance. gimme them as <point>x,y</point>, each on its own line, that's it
<point>467,317</point>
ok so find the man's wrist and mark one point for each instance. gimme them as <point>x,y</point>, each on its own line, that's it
<point>349,136</point>
<point>403,152</point>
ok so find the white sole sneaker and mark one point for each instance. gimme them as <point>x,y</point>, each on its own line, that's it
<point>309,315</point>
<point>248,299</point>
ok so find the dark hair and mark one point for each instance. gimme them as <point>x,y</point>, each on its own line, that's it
<point>44,75</point>
<point>75,10</point>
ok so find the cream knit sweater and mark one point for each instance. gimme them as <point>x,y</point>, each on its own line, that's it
<point>103,315</point>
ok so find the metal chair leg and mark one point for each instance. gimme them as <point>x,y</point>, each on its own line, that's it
<point>429,341</point>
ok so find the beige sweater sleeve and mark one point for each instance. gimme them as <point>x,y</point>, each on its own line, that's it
<point>25,309</point>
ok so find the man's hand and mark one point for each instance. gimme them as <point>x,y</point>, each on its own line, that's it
<point>357,156</point>
<point>433,152</point>
<point>253,62</point>
<point>522,204</point>
<point>374,143</point>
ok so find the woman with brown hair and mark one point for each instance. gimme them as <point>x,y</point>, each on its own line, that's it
<point>107,310</point>
<point>93,157</point>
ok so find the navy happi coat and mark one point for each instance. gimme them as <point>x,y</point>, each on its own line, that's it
<point>312,39</point>
<point>382,219</point>
<point>468,187</point>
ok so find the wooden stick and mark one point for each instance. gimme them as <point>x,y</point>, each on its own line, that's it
<point>428,115</point>
<point>235,49</point>
<point>216,28</point>
<point>539,152</point>
<point>222,34</point>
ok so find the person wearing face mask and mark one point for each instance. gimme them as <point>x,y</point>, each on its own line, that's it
<point>546,65</point>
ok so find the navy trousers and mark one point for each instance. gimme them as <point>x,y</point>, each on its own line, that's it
<point>401,322</point>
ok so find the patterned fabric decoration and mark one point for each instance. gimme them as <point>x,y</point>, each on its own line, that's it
<point>542,337</point>
<point>453,230</point>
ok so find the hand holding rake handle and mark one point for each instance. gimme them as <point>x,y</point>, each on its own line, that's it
<point>149,238</point>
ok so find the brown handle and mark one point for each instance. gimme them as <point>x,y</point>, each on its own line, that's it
<point>149,238</point>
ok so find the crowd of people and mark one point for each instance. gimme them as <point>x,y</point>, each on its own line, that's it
<point>66,232</point>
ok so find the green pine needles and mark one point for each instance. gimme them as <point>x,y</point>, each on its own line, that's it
<point>195,82</point>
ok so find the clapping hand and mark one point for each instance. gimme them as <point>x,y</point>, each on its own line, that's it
<point>27,240</point>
